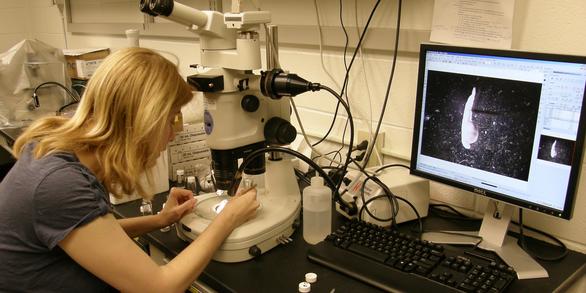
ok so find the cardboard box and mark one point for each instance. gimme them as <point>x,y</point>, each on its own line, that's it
<point>82,63</point>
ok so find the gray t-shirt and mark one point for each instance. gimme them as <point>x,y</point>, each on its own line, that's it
<point>41,202</point>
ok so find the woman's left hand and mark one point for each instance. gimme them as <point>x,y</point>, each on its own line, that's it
<point>179,202</point>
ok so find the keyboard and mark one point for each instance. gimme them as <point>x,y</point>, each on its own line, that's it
<point>393,262</point>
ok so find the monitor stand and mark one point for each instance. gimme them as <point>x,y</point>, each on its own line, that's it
<point>493,233</point>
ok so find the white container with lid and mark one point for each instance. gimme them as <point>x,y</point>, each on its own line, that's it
<point>317,211</point>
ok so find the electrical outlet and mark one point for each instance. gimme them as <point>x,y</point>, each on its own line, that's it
<point>380,141</point>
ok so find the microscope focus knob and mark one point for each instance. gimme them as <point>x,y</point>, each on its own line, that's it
<point>279,131</point>
<point>254,251</point>
<point>250,103</point>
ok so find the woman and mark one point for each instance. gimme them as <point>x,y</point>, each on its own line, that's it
<point>57,232</point>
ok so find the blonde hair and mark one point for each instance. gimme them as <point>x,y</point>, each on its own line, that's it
<point>121,118</point>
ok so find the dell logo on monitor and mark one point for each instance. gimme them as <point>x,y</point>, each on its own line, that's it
<point>480,191</point>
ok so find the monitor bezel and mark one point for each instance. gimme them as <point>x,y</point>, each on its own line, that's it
<point>571,192</point>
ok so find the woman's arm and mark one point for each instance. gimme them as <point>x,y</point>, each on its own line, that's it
<point>179,202</point>
<point>139,225</point>
<point>103,248</point>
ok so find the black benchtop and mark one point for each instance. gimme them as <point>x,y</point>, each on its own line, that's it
<point>282,268</point>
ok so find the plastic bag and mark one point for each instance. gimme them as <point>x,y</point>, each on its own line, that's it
<point>23,67</point>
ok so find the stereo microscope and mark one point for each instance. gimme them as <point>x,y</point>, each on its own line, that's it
<point>244,112</point>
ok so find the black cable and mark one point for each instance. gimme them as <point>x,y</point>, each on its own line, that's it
<point>302,176</point>
<point>384,106</point>
<point>347,40</point>
<point>390,166</point>
<point>36,97</point>
<point>350,207</point>
<point>65,106</point>
<point>392,199</point>
<point>523,243</point>
<point>387,193</point>
<point>390,195</point>
<point>348,70</point>
<point>460,216</point>
<point>351,123</point>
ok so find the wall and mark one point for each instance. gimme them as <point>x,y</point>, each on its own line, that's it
<point>539,25</point>
<point>20,19</point>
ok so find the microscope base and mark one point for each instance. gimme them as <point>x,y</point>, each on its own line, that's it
<point>242,251</point>
<point>280,204</point>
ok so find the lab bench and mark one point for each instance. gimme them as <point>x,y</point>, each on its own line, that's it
<point>282,268</point>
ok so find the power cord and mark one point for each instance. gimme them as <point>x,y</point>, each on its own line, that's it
<point>349,68</point>
<point>390,166</point>
<point>523,243</point>
<point>348,207</point>
<point>36,97</point>
<point>390,82</point>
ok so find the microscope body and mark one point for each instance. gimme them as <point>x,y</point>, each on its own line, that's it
<point>238,120</point>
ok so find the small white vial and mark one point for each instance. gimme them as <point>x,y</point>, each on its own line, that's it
<point>311,278</point>
<point>191,184</point>
<point>146,207</point>
<point>304,287</point>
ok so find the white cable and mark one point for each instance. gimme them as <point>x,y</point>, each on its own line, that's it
<point>63,26</point>
<point>321,51</point>
<point>370,121</point>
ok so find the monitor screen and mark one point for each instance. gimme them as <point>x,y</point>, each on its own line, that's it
<point>504,124</point>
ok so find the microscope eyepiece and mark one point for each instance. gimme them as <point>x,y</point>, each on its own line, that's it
<point>144,6</point>
<point>161,7</point>
<point>276,84</point>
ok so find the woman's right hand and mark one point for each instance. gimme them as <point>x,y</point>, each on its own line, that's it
<point>242,207</point>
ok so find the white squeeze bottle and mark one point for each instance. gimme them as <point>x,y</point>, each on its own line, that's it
<point>317,211</point>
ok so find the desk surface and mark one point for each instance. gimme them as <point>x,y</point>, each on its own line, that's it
<point>282,268</point>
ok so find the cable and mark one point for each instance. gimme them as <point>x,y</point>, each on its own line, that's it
<point>523,243</point>
<point>350,121</point>
<point>351,208</point>
<point>387,193</point>
<point>306,138</point>
<point>349,68</point>
<point>321,52</point>
<point>321,55</point>
<point>65,106</point>
<point>36,97</point>
<point>390,166</point>
<point>366,85</point>
<point>302,176</point>
<point>384,106</point>
<point>460,216</point>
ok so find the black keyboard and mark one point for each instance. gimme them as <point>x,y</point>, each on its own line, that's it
<point>393,261</point>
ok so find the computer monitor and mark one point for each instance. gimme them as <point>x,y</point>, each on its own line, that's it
<point>508,125</point>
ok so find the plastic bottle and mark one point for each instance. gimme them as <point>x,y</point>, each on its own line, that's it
<point>317,211</point>
<point>191,184</point>
<point>146,207</point>
<point>180,178</point>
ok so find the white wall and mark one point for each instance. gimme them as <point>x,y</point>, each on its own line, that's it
<point>539,25</point>
<point>20,19</point>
